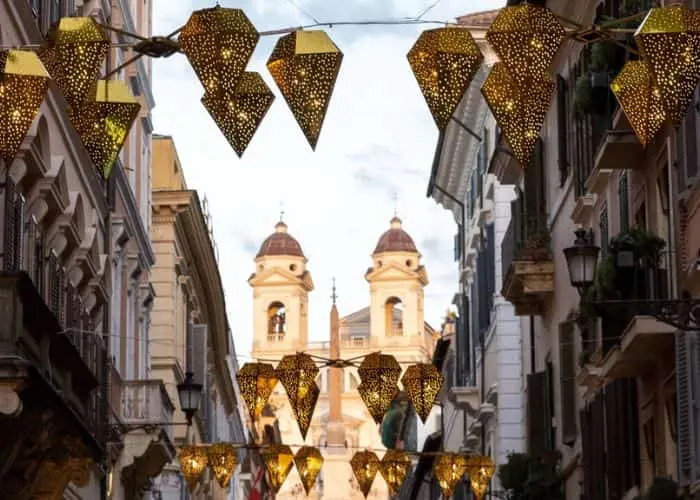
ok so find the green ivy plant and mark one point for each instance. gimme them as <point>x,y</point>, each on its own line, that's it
<point>526,477</point>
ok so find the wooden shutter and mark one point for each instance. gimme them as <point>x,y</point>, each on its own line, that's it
<point>567,383</point>
<point>623,196</point>
<point>599,456</point>
<point>562,129</point>
<point>54,286</point>
<point>537,413</point>
<point>687,452</point>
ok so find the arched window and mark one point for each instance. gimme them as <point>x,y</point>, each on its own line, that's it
<point>276,322</point>
<point>393,317</point>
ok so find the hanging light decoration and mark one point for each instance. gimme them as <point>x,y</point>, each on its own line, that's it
<point>305,66</point>
<point>365,466</point>
<point>449,469</point>
<point>640,99</point>
<point>379,374</point>
<point>193,461</point>
<point>526,38</point>
<point>519,113</point>
<point>297,373</point>
<point>444,61</point>
<point>669,41</point>
<point>256,382</point>
<point>75,53</point>
<point>423,383</point>
<point>480,470</point>
<point>239,115</point>
<point>223,458</point>
<point>309,462</point>
<point>278,460</point>
<point>23,83</point>
<point>218,43</point>
<point>104,122</point>
<point>394,467</point>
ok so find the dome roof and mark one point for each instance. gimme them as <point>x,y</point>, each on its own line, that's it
<point>395,240</point>
<point>280,243</point>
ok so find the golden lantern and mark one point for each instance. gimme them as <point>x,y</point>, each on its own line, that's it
<point>449,469</point>
<point>519,112</point>
<point>256,382</point>
<point>526,38</point>
<point>193,461</point>
<point>444,61</point>
<point>480,470</point>
<point>218,43</point>
<point>297,372</point>
<point>669,40</point>
<point>23,82</point>
<point>394,467</point>
<point>309,462</point>
<point>365,466</point>
<point>379,374</point>
<point>423,383</point>
<point>239,115</point>
<point>278,460</point>
<point>223,458</point>
<point>104,122</point>
<point>76,51</point>
<point>305,66</point>
<point>640,99</point>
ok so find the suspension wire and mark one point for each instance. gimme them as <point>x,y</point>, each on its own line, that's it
<point>301,9</point>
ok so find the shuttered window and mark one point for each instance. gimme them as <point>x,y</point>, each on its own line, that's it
<point>538,418</point>
<point>199,367</point>
<point>567,383</point>
<point>604,230</point>
<point>687,152</point>
<point>688,414</point>
<point>562,129</point>
<point>55,277</point>
<point>623,196</point>
<point>13,216</point>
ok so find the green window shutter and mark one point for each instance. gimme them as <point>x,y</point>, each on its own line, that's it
<point>537,413</point>
<point>567,383</point>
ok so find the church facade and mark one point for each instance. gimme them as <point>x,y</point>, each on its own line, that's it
<point>393,323</point>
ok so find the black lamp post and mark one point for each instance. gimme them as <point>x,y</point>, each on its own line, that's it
<point>582,260</point>
<point>190,394</point>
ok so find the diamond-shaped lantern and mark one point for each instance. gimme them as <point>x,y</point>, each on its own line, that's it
<point>526,38</point>
<point>640,99</point>
<point>223,458</point>
<point>379,374</point>
<point>394,467</point>
<point>23,82</point>
<point>449,469</point>
<point>480,469</point>
<point>239,115</point>
<point>219,42</point>
<point>519,112</point>
<point>305,66</point>
<point>309,462</point>
<point>104,122</point>
<point>444,61</point>
<point>193,461</point>
<point>669,40</point>
<point>365,466</point>
<point>278,460</point>
<point>423,382</point>
<point>297,373</point>
<point>76,51</point>
<point>256,382</point>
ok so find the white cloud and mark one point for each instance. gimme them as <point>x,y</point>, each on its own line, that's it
<point>378,138</point>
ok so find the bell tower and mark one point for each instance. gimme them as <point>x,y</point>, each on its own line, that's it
<point>281,284</point>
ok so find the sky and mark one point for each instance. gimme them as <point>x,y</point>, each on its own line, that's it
<point>373,157</point>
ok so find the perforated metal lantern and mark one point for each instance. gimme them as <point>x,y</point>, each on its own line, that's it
<point>223,458</point>
<point>480,469</point>
<point>256,382</point>
<point>239,115</point>
<point>297,373</point>
<point>519,112</point>
<point>278,462</point>
<point>394,467</point>
<point>103,123</point>
<point>308,461</point>
<point>218,43</point>
<point>444,61</point>
<point>422,382</point>
<point>193,460</point>
<point>669,41</point>
<point>526,38</point>
<point>640,99</point>
<point>305,66</point>
<point>23,82</point>
<point>449,469</point>
<point>365,466</point>
<point>379,374</point>
<point>75,53</point>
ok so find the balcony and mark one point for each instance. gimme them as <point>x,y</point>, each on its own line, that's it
<point>527,266</point>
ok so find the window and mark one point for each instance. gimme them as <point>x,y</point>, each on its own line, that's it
<point>393,317</point>
<point>562,129</point>
<point>604,230</point>
<point>276,322</point>
<point>130,335</point>
<point>115,334</point>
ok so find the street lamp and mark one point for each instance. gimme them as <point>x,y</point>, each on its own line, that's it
<point>582,260</point>
<point>190,394</point>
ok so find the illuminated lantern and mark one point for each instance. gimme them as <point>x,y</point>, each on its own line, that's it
<point>193,461</point>
<point>394,467</point>
<point>379,374</point>
<point>449,469</point>
<point>422,382</point>
<point>365,466</point>
<point>223,458</point>
<point>480,470</point>
<point>256,382</point>
<point>278,460</point>
<point>309,462</point>
<point>297,373</point>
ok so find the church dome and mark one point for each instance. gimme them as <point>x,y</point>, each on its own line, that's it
<point>280,243</point>
<point>395,240</point>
